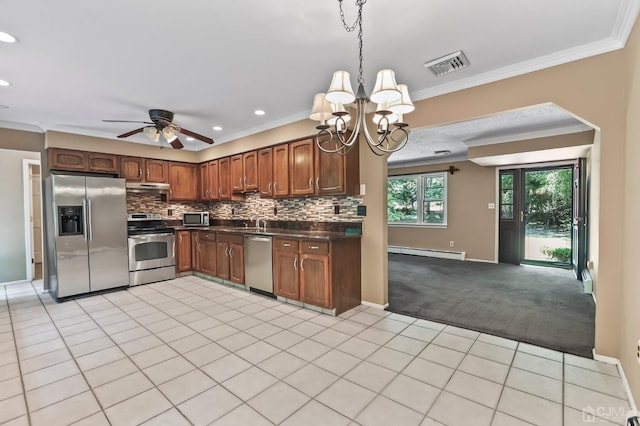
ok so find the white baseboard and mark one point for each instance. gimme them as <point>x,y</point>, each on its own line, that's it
<point>14,282</point>
<point>375,305</point>
<point>442,254</point>
<point>495,262</point>
<point>627,389</point>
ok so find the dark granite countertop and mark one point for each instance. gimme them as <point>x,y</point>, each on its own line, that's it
<point>276,232</point>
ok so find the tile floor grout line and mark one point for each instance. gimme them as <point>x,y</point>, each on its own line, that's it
<point>24,392</point>
<point>504,385</point>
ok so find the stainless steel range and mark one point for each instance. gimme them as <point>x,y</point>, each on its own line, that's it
<point>151,249</point>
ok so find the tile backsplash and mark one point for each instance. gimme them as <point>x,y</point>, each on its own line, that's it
<point>320,209</point>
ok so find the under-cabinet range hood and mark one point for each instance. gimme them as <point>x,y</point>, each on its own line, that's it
<point>148,187</point>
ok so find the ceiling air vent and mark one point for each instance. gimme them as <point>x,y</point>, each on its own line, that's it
<point>448,63</point>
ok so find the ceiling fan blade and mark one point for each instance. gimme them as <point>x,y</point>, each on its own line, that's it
<point>176,144</point>
<point>131,133</point>
<point>126,121</point>
<point>195,135</point>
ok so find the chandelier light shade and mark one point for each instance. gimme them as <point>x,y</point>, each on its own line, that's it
<point>340,91</point>
<point>392,101</point>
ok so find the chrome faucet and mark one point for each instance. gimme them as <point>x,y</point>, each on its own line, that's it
<point>264,224</point>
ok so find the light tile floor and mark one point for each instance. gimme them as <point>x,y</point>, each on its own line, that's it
<point>189,351</point>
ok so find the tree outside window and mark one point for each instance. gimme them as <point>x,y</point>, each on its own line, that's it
<point>417,199</point>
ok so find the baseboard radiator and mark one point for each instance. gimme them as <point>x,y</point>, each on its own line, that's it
<point>443,254</point>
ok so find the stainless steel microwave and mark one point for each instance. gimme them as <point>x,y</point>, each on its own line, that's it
<point>195,219</point>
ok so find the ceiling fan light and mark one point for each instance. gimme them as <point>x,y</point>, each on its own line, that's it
<point>151,133</point>
<point>321,110</point>
<point>169,134</point>
<point>340,91</point>
<point>404,104</point>
<point>386,89</point>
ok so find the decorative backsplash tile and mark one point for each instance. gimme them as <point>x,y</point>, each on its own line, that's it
<point>315,209</point>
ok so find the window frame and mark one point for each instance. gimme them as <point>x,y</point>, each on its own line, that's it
<point>421,177</point>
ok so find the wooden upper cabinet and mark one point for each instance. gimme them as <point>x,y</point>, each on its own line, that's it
<point>224,172</point>
<point>265,172</point>
<point>131,169</point>
<point>214,180</point>
<point>106,163</point>
<point>301,167</point>
<point>183,182</point>
<point>250,170</point>
<point>204,192</point>
<point>237,175</point>
<point>68,159</point>
<point>281,170</point>
<point>135,169</point>
<point>156,171</point>
<point>337,174</point>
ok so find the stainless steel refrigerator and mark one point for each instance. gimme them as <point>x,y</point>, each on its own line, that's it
<point>86,234</point>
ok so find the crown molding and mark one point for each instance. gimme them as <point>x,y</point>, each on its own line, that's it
<point>264,127</point>
<point>21,126</point>
<point>627,15</point>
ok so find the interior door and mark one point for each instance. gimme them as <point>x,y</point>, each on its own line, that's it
<point>579,225</point>
<point>510,247</point>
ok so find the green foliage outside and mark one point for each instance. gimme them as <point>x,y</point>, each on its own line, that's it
<point>559,254</point>
<point>548,199</point>
<point>406,195</point>
<point>402,200</point>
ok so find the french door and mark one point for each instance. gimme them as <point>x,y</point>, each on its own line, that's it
<point>542,213</point>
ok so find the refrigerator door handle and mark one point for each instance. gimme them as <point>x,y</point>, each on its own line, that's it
<point>85,213</point>
<point>89,224</point>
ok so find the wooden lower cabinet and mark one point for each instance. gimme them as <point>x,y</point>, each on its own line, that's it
<point>320,273</point>
<point>195,250</point>
<point>230,257</point>
<point>183,251</point>
<point>207,252</point>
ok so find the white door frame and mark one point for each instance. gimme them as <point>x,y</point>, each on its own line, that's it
<point>28,213</point>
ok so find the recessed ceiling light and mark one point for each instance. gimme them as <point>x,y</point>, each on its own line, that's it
<point>217,128</point>
<point>7,38</point>
<point>4,83</point>
<point>189,138</point>
<point>259,112</point>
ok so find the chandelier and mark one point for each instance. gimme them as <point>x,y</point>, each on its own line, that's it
<point>392,101</point>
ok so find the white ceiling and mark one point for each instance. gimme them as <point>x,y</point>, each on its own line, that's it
<point>214,63</point>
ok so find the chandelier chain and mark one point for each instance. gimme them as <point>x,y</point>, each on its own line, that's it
<point>350,28</point>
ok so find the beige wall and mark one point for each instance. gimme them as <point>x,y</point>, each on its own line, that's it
<point>529,145</point>
<point>629,306</point>
<point>470,223</point>
<point>21,140</point>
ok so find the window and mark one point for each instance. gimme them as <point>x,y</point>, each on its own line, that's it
<point>417,199</point>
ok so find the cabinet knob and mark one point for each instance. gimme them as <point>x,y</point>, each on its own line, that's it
<point>295,263</point>
<point>147,174</point>
<point>317,183</point>
<point>314,247</point>
<point>302,265</point>
<point>269,188</point>
<point>140,173</point>
<point>311,183</point>
<point>286,245</point>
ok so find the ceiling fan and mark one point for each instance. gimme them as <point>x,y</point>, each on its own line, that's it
<point>161,124</point>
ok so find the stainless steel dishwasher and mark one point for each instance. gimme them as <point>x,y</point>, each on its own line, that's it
<point>258,262</point>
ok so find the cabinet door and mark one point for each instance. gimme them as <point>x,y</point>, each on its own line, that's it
<point>156,171</point>
<point>224,172</point>
<point>184,251</point>
<point>208,255</point>
<point>314,280</point>
<point>63,159</point>
<point>205,188</point>
<point>195,250</point>
<point>237,175</point>
<point>265,172</point>
<point>250,169</point>
<point>281,170</point>
<point>329,171</point>
<point>183,181</point>
<point>285,274</point>
<point>222,256</point>
<point>301,167</point>
<point>131,168</point>
<point>236,263</point>
<point>214,180</point>
<point>105,163</point>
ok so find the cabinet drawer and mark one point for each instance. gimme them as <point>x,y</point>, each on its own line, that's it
<point>230,238</point>
<point>209,236</point>
<point>283,244</point>
<point>315,247</point>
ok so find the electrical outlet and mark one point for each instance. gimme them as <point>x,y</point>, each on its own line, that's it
<point>336,209</point>
<point>233,211</point>
<point>638,351</point>
<point>450,243</point>
<point>275,211</point>
<point>492,206</point>
<point>169,212</point>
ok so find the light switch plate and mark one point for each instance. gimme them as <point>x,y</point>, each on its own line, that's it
<point>363,189</point>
